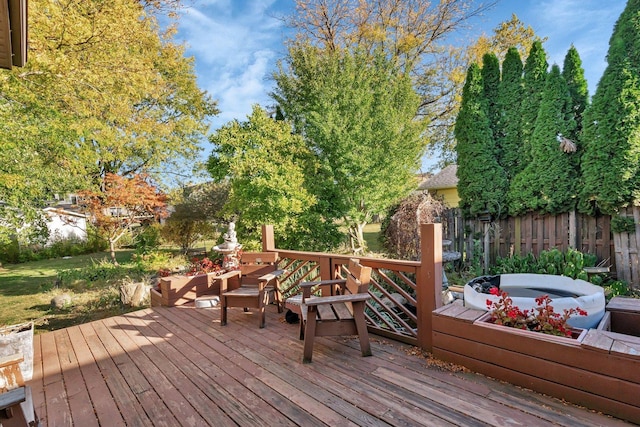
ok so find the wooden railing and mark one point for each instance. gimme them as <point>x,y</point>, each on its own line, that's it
<point>403,293</point>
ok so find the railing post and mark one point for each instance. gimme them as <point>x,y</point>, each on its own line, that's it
<point>429,281</point>
<point>268,239</point>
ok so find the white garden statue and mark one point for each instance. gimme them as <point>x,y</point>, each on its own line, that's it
<point>230,248</point>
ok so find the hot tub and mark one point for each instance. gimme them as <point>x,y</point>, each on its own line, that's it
<point>565,293</point>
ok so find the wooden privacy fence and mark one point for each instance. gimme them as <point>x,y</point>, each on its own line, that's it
<point>531,233</point>
<point>626,249</point>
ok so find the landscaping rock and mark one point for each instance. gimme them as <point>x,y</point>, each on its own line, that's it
<point>134,294</point>
<point>60,302</point>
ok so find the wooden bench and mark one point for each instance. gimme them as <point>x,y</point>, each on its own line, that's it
<point>335,315</point>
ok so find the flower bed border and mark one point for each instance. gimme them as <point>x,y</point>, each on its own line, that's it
<point>554,365</point>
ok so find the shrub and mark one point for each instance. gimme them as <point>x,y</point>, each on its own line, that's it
<point>99,274</point>
<point>553,261</point>
<point>148,239</point>
<point>400,229</point>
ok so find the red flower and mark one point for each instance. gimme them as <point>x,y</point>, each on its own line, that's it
<point>494,291</point>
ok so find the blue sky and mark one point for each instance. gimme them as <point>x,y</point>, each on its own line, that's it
<point>236,43</point>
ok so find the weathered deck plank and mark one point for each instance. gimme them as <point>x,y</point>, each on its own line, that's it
<point>178,366</point>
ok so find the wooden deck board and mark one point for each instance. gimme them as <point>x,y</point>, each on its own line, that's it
<point>179,367</point>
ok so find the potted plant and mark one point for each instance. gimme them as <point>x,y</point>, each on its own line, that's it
<point>542,318</point>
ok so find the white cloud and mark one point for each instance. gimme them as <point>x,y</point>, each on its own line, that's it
<point>235,44</point>
<point>588,24</point>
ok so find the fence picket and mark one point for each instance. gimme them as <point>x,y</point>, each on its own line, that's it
<point>533,233</point>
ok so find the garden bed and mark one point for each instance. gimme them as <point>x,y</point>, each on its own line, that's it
<point>567,368</point>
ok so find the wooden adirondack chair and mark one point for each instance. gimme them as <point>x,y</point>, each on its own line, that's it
<point>16,405</point>
<point>340,313</point>
<point>256,283</point>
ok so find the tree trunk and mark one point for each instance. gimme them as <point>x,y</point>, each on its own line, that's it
<point>356,237</point>
<point>112,251</point>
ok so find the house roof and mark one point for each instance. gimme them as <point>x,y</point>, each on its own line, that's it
<point>446,178</point>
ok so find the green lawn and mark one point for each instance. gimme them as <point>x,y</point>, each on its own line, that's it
<point>26,291</point>
<point>371,233</point>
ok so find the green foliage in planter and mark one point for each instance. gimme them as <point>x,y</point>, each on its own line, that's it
<point>553,261</point>
<point>623,224</point>
<point>611,164</point>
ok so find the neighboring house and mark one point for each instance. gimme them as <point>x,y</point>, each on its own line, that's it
<point>65,224</point>
<point>445,184</point>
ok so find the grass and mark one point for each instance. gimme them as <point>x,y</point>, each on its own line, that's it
<point>26,291</point>
<point>371,236</point>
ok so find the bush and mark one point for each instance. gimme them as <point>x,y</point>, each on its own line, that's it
<point>553,261</point>
<point>99,274</point>
<point>148,239</point>
<point>400,229</point>
<point>13,253</point>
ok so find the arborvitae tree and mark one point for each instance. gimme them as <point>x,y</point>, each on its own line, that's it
<point>534,78</point>
<point>490,82</point>
<point>482,183</point>
<point>548,182</point>
<point>611,132</point>
<point>573,74</point>
<point>509,140</point>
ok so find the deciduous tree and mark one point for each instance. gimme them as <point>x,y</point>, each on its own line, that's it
<point>124,204</point>
<point>105,89</point>
<point>412,33</point>
<point>357,114</point>
<point>268,169</point>
<point>196,211</point>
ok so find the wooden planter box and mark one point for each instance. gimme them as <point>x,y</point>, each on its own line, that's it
<point>602,379</point>
<point>622,316</point>
<point>178,290</point>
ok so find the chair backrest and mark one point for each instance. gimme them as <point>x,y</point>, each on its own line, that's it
<point>358,278</point>
<point>256,264</point>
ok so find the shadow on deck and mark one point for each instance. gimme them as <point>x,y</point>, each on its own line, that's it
<point>178,366</point>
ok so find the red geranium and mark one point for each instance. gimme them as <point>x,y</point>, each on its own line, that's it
<point>542,318</point>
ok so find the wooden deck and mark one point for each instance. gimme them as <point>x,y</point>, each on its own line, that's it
<point>178,366</point>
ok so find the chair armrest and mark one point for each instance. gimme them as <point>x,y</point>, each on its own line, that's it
<point>12,397</point>
<point>228,274</point>
<point>337,299</point>
<point>323,283</point>
<point>270,276</point>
